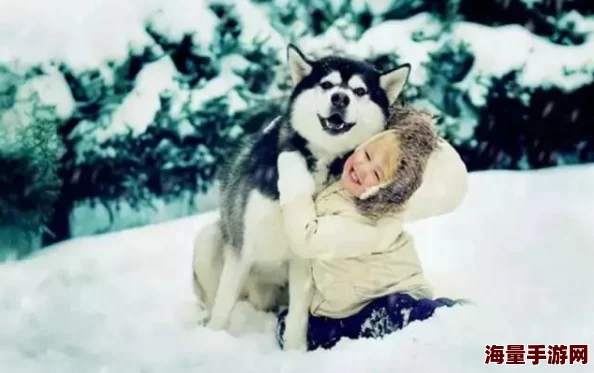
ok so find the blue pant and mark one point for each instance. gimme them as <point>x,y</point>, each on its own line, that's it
<point>380,317</point>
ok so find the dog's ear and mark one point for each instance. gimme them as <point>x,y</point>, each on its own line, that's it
<point>299,66</point>
<point>393,81</point>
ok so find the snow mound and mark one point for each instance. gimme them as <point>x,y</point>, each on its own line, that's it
<point>521,248</point>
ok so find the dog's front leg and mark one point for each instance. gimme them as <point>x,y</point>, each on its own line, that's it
<point>300,293</point>
<point>232,281</point>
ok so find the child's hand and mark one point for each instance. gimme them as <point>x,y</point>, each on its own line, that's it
<point>294,179</point>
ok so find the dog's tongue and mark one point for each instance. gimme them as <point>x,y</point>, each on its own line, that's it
<point>335,119</point>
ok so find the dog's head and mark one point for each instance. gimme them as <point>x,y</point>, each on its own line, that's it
<point>339,102</point>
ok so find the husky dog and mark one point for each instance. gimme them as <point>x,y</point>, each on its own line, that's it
<point>336,104</point>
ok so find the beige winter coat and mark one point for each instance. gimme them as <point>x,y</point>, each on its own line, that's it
<point>355,259</point>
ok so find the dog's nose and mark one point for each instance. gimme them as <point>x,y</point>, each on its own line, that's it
<point>340,100</point>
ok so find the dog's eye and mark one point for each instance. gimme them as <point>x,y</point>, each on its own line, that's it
<point>359,91</point>
<point>326,85</point>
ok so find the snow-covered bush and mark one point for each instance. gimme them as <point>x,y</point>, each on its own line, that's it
<point>148,120</point>
<point>526,128</point>
<point>542,17</point>
<point>156,125</point>
<point>29,180</point>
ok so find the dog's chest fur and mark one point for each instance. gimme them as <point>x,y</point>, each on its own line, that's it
<point>264,230</point>
<point>323,165</point>
<point>321,172</point>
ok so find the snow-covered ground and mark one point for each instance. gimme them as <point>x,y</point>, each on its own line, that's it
<point>521,247</point>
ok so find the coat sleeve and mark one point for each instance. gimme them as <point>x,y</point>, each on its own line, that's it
<point>444,185</point>
<point>332,236</point>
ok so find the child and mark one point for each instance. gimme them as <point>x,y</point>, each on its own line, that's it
<point>367,278</point>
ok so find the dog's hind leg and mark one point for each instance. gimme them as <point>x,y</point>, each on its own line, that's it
<point>231,284</point>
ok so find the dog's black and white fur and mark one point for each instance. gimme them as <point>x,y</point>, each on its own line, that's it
<point>336,104</point>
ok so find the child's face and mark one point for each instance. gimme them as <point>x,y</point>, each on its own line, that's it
<point>371,164</point>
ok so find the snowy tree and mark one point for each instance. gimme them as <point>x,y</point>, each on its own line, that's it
<point>29,181</point>
<point>96,99</point>
<point>542,17</point>
<point>214,95</point>
<point>154,125</point>
<point>527,128</point>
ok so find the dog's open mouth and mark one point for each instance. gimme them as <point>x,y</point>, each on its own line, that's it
<point>335,124</point>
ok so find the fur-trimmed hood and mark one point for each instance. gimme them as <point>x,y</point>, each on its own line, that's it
<point>418,140</point>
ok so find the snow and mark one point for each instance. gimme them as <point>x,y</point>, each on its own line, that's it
<point>330,42</point>
<point>397,37</point>
<point>256,25</point>
<point>520,248</point>
<point>582,24</point>
<point>180,17</point>
<point>498,50</point>
<point>32,38</point>
<point>214,88</point>
<point>141,105</point>
<point>389,37</point>
<point>52,89</point>
<point>33,32</point>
